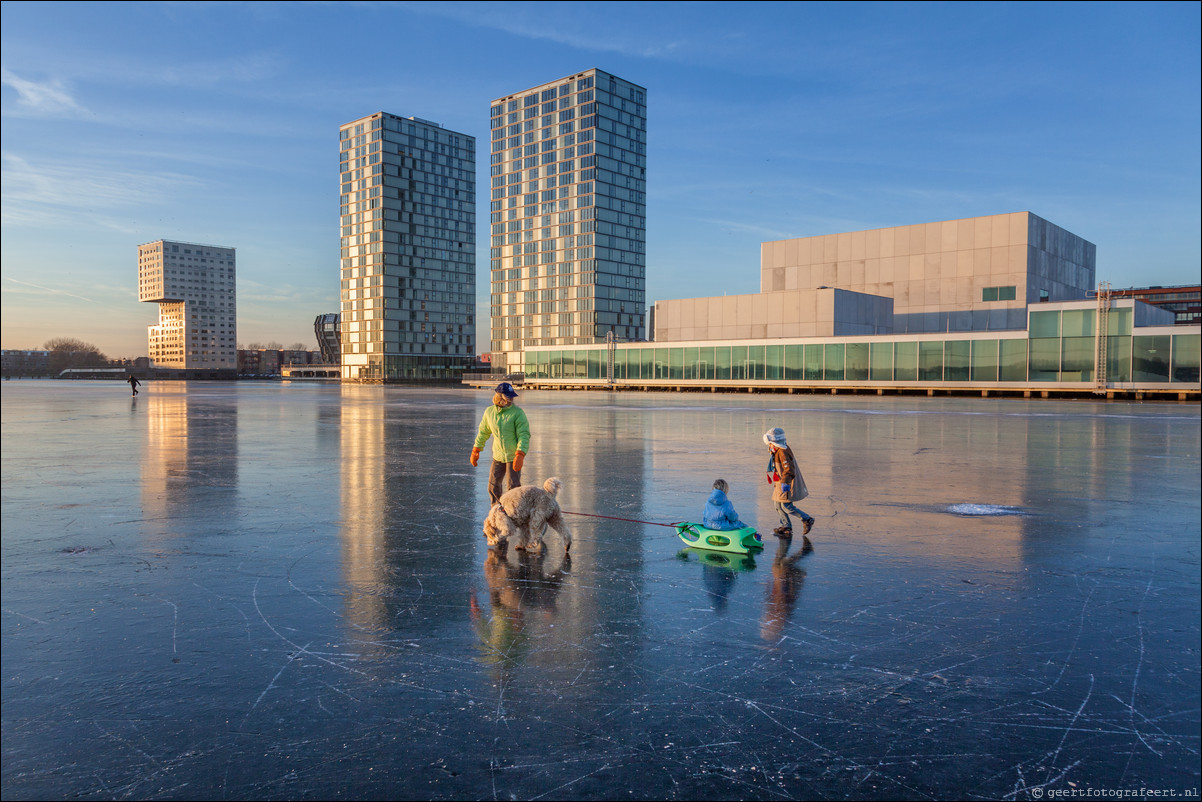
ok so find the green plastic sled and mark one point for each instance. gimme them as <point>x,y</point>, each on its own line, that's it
<point>737,541</point>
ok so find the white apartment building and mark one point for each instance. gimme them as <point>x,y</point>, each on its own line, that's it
<point>567,214</point>
<point>408,258</point>
<point>195,287</point>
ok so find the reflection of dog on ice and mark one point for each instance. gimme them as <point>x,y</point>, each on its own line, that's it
<point>520,595</point>
<point>522,515</point>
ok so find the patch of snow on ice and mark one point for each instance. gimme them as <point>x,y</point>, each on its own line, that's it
<point>983,509</point>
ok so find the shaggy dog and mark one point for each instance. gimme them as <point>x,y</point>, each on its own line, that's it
<point>523,514</point>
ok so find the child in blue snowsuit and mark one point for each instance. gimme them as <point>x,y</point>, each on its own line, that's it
<point>719,512</point>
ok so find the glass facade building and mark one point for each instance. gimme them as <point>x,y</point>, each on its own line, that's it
<point>999,303</point>
<point>326,329</point>
<point>567,214</point>
<point>1059,349</point>
<point>408,257</point>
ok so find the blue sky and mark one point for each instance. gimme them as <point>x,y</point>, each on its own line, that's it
<point>217,123</point>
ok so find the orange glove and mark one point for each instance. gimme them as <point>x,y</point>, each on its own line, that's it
<point>518,459</point>
<point>475,458</point>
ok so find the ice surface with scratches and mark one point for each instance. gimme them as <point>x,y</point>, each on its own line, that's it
<point>274,590</point>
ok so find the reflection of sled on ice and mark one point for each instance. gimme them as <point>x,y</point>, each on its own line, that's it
<point>736,541</point>
<point>719,559</point>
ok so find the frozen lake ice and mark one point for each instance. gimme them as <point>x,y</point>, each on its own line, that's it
<point>281,591</point>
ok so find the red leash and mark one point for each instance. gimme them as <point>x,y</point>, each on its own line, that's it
<point>612,518</point>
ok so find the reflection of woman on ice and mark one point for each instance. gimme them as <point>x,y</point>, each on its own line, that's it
<point>783,592</point>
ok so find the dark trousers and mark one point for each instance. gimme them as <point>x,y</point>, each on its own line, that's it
<point>497,474</point>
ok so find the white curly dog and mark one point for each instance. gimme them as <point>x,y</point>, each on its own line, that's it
<point>523,514</point>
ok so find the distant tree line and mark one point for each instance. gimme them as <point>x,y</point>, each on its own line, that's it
<point>273,346</point>
<point>55,356</point>
<point>66,352</point>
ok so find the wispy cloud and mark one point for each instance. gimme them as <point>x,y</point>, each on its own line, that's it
<point>146,97</point>
<point>46,99</point>
<point>277,294</point>
<point>249,69</point>
<point>545,22</point>
<point>45,290</point>
<point>52,192</point>
<point>732,226</point>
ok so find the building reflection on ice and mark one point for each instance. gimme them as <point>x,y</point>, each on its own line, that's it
<point>410,530</point>
<point>408,523</point>
<point>189,465</point>
<point>362,466</point>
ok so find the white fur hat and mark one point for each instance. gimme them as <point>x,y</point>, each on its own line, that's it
<point>775,437</point>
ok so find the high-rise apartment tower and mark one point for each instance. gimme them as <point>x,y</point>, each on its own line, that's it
<point>567,214</point>
<point>195,287</point>
<point>408,262</point>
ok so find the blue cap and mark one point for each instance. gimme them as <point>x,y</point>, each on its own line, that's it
<point>506,389</point>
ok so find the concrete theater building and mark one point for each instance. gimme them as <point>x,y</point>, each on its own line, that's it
<point>997,304</point>
<point>977,274</point>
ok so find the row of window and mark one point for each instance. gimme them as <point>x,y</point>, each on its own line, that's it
<point>432,136</point>
<point>611,92</point>
<point>431,365</point>
<point>396,348</point>
<point>1140,358</point>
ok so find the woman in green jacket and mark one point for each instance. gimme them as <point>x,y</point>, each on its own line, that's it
<point>505,422</point>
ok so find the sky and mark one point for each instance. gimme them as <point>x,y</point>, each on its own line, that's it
<point>217,123</point>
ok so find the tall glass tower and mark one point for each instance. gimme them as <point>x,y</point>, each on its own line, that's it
<point>567,214</point>
<point>408,258</point>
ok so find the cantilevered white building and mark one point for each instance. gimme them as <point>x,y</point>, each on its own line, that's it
<point>195,287</point>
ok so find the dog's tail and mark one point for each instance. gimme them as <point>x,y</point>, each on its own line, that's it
<point>552,486</point>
